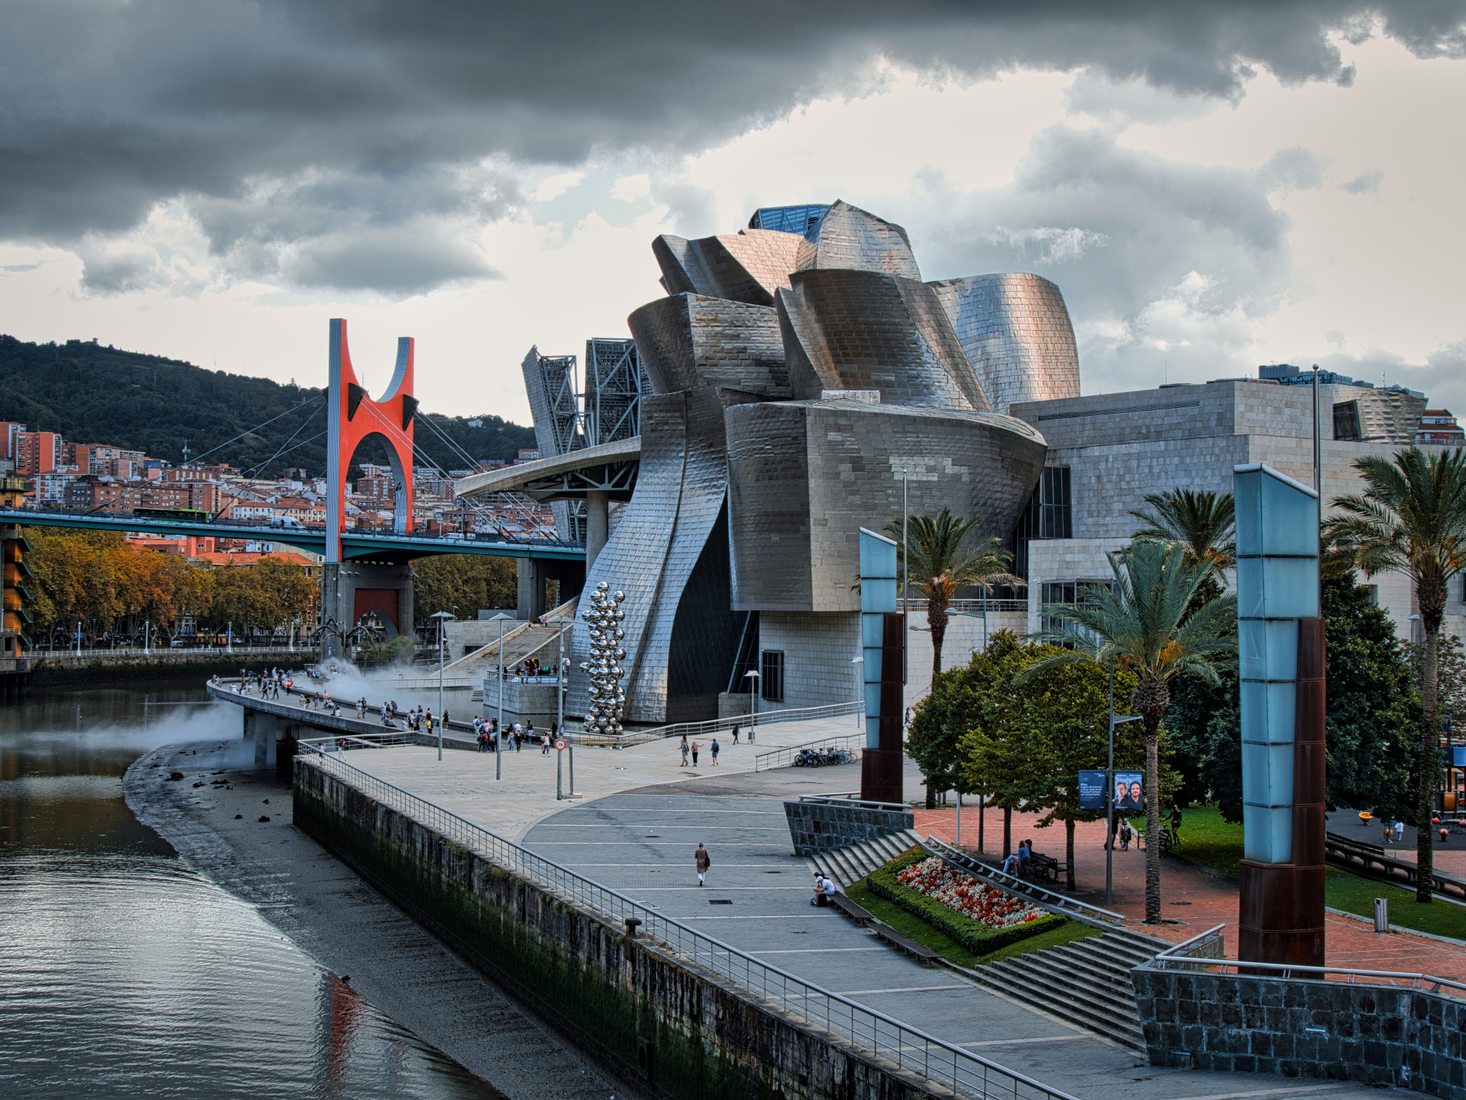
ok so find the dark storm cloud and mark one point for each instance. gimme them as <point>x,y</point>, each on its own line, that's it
<point>239,108</point>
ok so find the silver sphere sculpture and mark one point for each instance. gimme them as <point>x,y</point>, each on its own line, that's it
<point>607,699</point>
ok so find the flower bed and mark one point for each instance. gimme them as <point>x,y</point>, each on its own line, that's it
<point>958,890</point>
<point>984,920</point>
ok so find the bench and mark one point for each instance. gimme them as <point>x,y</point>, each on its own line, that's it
<point>858,913</point>
<point>1046,867</point>
<point>919,951</point>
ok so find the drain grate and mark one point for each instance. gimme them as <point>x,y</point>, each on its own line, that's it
<point>720,901</point>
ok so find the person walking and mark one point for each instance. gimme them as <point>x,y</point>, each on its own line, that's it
<point>715,748</point>
<point>682,748</point>
<point>735,733</point>
<point>695,747</point>
<point>703,861</point>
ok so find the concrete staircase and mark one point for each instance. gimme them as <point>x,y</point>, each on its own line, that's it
<point>853,863</point>
<point>1086,983</point>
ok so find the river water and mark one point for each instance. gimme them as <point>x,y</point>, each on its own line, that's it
<point>124,973</point>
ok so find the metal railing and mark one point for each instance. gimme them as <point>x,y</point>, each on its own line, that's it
<point>993,606</point>
<point>780,758</point>
<point>1215,963</point>
<point>1049,899</point>
<point>854,799</point>
<point>1371,860</point>
<point>745,721</point>
<point>905,1046</point>
<point>1210,944</point>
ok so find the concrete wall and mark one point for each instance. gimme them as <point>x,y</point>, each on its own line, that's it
<point>823,827</point>
<point>669,1026</point>
<point>1382,1035</point>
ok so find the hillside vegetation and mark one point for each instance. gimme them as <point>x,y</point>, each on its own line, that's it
<point>94,393</point>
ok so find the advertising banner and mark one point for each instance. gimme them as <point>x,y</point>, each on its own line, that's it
<point>1128,795</point>
<point>1091,789</point>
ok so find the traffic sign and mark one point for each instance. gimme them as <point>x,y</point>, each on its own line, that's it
<point>560,744</point>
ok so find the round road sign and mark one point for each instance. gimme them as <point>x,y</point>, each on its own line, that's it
<point>560,744</point>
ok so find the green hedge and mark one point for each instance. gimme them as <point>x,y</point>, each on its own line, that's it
<point>973,935</point>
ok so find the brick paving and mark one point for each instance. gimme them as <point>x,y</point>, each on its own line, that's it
<point>1194,899</point>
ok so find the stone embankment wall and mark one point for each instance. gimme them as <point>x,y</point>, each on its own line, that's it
<point>825,826</point>
<point>1381,1035</point>
<point>660,1021</point>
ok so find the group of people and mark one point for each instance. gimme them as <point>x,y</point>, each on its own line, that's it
<point>692,748</point>
<point>513,736</point>
<point>1019,861</point>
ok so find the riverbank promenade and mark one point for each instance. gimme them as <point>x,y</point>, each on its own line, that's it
<point>635,828</point>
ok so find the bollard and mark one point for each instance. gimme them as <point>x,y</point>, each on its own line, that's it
<point>632,924</point>
<point>1381,914</point>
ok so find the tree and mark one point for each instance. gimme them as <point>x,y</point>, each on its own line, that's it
<point>1145,623</point>
<point>936,560</point>
<point>1372,710</point>
<point>1033,735</point>
<point>1411,519</point>
<point>461,584</point>
<point>1202,521</point>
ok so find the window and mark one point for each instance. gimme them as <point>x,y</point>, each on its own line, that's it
<point>1054,593</point>
<point>1049,515</point>
<point>771,675</point>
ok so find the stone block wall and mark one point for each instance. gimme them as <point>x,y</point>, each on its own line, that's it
<point>672,1028</point>
<point>817,648</point>
<point>1380,1035</point>
<point>824,826</point>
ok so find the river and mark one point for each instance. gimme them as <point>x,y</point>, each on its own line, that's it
<point>125,973</point>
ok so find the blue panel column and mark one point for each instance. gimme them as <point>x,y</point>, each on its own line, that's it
<point>1281,673</point>
<point>882,641</point>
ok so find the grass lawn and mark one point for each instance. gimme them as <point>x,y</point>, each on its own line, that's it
<point>1209,841</point>
<point>913,927</point>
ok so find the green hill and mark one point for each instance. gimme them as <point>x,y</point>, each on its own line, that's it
<point>94,393</point>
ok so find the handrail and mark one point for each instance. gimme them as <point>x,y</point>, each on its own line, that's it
<point>853,800</point>
<point>777,758</point>
<point>1167,960</point>
<point>906,1046</point>
<point>764,718</point>
<point>1211,939</point>
<point>1049,899</point>
<point>1363,856</point>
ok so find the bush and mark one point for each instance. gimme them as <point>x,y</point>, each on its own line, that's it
<point>972,935</point>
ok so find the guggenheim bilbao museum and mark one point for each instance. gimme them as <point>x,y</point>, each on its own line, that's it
<point>800,381</point>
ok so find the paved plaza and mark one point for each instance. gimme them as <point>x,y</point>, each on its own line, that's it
<point>635,829</point>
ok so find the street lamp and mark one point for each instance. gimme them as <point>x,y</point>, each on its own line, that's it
<point>501,618</point>
<point>1115,720</point>
<point>859,691</point>
<point>561,673</point>
<point>953,613</point>
<point>441,617</point>
<point>752,674</point>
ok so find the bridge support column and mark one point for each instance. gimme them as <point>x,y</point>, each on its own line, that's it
<point>530,575</point>
<point>597,525</point>
<point>263,731</point>
<point>353,590</point>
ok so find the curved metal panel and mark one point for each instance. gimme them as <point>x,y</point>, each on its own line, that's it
<point>747,266</point>
<point>851,239</point>
<point>862,330</point>
<point>1017,335</point>
<point>689,341</point>
<point>804,477</point>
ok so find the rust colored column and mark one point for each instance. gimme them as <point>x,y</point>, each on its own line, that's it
<point>1282,913</point>
<point>880,768</point>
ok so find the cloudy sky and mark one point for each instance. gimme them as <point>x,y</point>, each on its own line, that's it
<point>1213,185</point>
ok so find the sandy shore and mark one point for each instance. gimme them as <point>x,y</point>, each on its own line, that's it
<point>212,816</point>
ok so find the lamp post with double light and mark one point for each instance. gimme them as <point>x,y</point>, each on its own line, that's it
<point>501,618</point>
<point>441,617</point>
<point>1115,720</point>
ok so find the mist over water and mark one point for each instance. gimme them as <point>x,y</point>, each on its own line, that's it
<point>127,974</point>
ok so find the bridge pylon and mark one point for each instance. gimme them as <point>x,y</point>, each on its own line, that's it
<point>352,417</point>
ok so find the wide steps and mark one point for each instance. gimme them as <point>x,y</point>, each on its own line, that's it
<point>854,862</point>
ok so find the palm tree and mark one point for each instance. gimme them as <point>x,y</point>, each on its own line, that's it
<point>1411,519</point>
<point>1201,520</point>
<point>938,564</point>
<point>1145,623</point>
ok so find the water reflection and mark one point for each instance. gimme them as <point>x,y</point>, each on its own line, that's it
<point>126,974</point>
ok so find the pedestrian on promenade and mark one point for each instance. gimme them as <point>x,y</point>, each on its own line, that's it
<point>544,744</point>
<point>714,748</point>
<point>735,733</point>
<point>682,748</point>
<point>695,747</point>
<point>703,861</point>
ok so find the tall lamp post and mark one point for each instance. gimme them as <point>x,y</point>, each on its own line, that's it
<point>1115,720</point>
<point>752,674</point>
<point>953,613</point>
<point>441,617</point>
<point>561,672</point>
<point>858,664</point>
<point>501,618</point>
